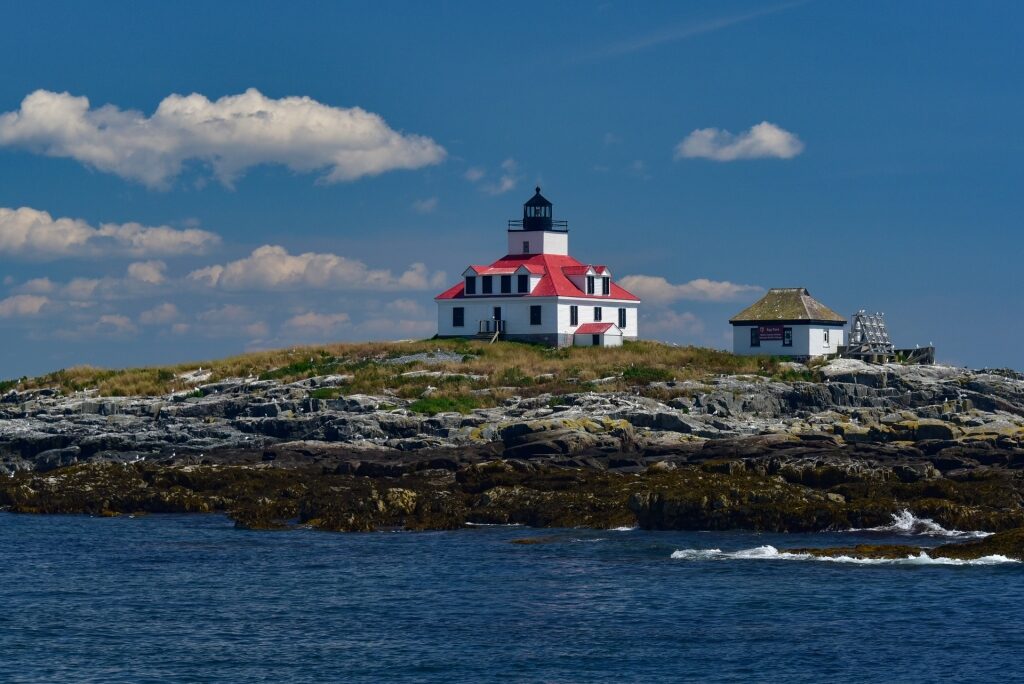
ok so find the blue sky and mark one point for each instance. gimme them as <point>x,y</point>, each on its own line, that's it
<point>872,155</point>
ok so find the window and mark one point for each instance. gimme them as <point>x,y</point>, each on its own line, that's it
<point>606,286</point>
<point>597,313</point>
<point>787,337</point>
<point>506,284</point>
<point>535,314</point>
<point>825,340</point>
<point>524,283</point>
<point>526,246</point>
<point>458,317</point>
<point>595,340</point>
<point>470,285</point>
<point>590,284</point>
<point>574,315</point>
<point>755,337</point>
<point>622,318</point>
<point>488,284</point>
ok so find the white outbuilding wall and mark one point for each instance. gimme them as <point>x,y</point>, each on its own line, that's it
<point>813,339</point>
<point>611,338</point>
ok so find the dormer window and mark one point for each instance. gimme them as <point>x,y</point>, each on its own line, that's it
<point>523,284</point>
<point>606,286</point>
<point>488,284</point>
<point>506,284</point>
<point>471,285</point>
<point>590,285</point>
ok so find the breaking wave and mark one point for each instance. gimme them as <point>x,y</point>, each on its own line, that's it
<point>772,553</point>
<point>624,528</point>
<point>907,523</point>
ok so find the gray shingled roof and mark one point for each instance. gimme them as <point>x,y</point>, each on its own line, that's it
<point>788,304</point>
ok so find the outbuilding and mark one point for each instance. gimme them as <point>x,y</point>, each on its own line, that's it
<point>787,322</point>
<point>598,335</point>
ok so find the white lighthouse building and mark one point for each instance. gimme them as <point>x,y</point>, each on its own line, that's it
<point>538,293</point>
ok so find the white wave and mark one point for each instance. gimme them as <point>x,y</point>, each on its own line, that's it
<point>772,553</point>
<point>472,524</point>
<point>624,528</point>
<point>905,522</point>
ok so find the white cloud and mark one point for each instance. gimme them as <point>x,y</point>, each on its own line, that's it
<point>508,179</point>
<point>22,305</point>
<point>407,307</point>
<point>316,323</point>
<point>657,290</point>
<point>763,140</point>
<point>474,174</point>
<point>230,134</point>
<point>159,315</point>
<point>425,206</point>
<point>271,267</point>
<point>672,324</point>
<point>33,233</point>
<point>142,278</point>
<point>150,272</point>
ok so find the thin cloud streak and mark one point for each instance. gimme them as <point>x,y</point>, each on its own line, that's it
<point>677,33</point>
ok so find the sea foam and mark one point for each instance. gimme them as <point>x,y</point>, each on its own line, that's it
<point>772,553</point>
<point>905,522</point>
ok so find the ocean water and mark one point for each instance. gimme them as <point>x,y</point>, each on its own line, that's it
<point>190,598</point>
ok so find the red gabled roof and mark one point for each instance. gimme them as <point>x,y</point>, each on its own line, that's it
<point>594,328</point>
<point>553,282</point>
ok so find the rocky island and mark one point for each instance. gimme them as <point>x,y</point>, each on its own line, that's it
<point>439,434</point>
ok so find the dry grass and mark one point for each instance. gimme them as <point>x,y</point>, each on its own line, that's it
<point>506,364</point>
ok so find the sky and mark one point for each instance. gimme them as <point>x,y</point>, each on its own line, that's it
<point>184,181</point>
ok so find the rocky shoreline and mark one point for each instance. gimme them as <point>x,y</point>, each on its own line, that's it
<point>846,450</point>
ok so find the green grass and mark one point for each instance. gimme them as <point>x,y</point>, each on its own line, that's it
<point>642,375</point>
<point>435,405</point>
<point>504,364</point>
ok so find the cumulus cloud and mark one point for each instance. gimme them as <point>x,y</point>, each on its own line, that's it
<point>22,305</point>
<point>150,272</point>
<point>672,324</point>
<point>230,134</point>
<point>36,234</point>
<point>142,278</point>
<point>657,290</point>
<point>271,267</point>
<point>474,174</point>
<point>763,140</point>
<point>317,323</point>
<point>160,315</point>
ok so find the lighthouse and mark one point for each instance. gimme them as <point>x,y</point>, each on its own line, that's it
<point>538,293</point>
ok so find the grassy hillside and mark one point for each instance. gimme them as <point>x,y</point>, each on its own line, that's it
<point>519,368</point>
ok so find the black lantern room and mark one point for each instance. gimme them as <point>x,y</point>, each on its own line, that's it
<point>537,213</point>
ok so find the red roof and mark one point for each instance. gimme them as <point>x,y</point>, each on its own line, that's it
<point>594,328</point>
<point>553,283</point>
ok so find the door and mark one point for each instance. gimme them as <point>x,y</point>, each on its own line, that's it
<point>597,340</point>
<point>497,319</point>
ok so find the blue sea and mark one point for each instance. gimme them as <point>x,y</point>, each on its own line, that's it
<point>191,598</point>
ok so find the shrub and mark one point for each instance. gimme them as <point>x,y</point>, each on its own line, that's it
<point>514,377</point>
<point>643,375</point>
